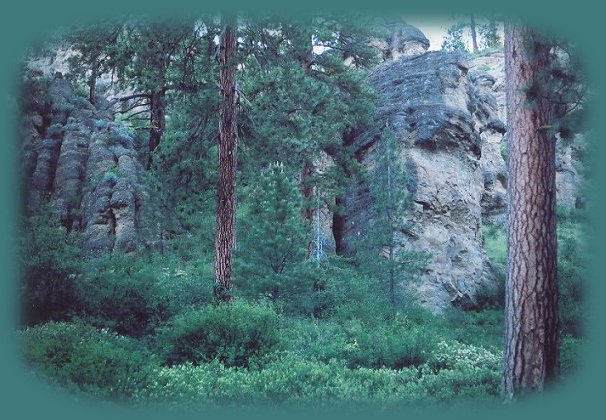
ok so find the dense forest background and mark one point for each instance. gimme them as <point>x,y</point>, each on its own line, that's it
<point>355,278</point>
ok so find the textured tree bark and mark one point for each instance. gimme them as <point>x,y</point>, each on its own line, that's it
<point>307,213</point>
<point>532,331</point>
<point>474,37</point>
<point>92,83</point>
<point>226,197</point>
<point>306,60</point>
<point>157,122</point>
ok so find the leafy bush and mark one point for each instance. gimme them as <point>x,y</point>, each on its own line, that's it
<point>133,295</point>
<point>459,372</point>
<point>483,328</point>
<point>50,262</point>
<point>570,355</point>
<point>572,270</point>
<point>237,334</point>
<point>114,295</point>
<point>456,355</point>
<point>86,359</point>
<point>55,130</point>
<point>319,340</point>
<point>396,344</point>
<point>294,380</point>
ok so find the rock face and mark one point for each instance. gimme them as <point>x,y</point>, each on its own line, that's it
<point>402,40</point>
<point>449,115</point>
<point>75,157</point>
<point>442,117</point>
<point>488,76</point>
<point>447,112</point>
<point>488,71</point>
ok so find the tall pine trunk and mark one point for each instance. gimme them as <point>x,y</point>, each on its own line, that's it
<point>474,36</point>
<point>532,333</point>
<point>226,197</point>
<point>157,122</point>
<point>307,169</point>
<point>92,83</point>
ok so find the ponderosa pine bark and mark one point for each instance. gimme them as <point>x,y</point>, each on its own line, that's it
<point>474,36</point>
<point>532,331</point>
<point>307,169</point>
<point>226,197</point>
<point>157,121</point>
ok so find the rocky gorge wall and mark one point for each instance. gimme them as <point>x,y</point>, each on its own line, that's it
<point>77,158</point>
<point>447,111</point>
<point>441,122</point>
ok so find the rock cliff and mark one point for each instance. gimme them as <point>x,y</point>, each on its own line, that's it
<point>76,157</point>
<point>442,117</point>
<point>449,116</point>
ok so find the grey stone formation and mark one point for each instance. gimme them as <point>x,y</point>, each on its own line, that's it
<point>76,158</point>
<point>449,116</point>
<point>442,117</point>
<point>400,40</point>
<point>489,72</point>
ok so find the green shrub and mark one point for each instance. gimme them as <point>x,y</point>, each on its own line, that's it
<point>237,334</point>
<point>85,359</point>
<point>50,262</point>
<point>55,131</point>
<point>572,271</point>
<point>182,284</point>
<point>570,355</point>
<point>458,371</point>
<point>133,295</point>
<point>294,380</point>
<point>482,328</point>
<point>341,292</point>
<point>80,90</point>
<point>396,344</point>
<point>455,355</point>
<point>320,340</point>
<point>117,293</point>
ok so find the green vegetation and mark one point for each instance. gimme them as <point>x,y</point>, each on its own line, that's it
<point>304,326</point>
<point>146,330</point>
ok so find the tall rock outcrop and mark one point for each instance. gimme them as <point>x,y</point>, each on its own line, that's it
<point>449,115</point>
<point>83,163</point>
<point>400,40</point>
<point>488,70</point>
<point>441,118</point>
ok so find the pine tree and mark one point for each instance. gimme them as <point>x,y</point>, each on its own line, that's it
<point>96,49</point>
<point>381,251</point>
<point>301,100</point>
<point>226,185</point>
<point>273,234</point>
<point>532,329</point>
<point>484,34</point>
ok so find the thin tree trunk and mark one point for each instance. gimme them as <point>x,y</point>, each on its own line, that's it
<point>339,218</point>
<point>226,197</point>
<point>474,38</point>
<point>532,333</point>
<point>92,84</point>
<point>157,122</point>
<point>305,61</point>
<point>306,191</point>
<point>390,217</point>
